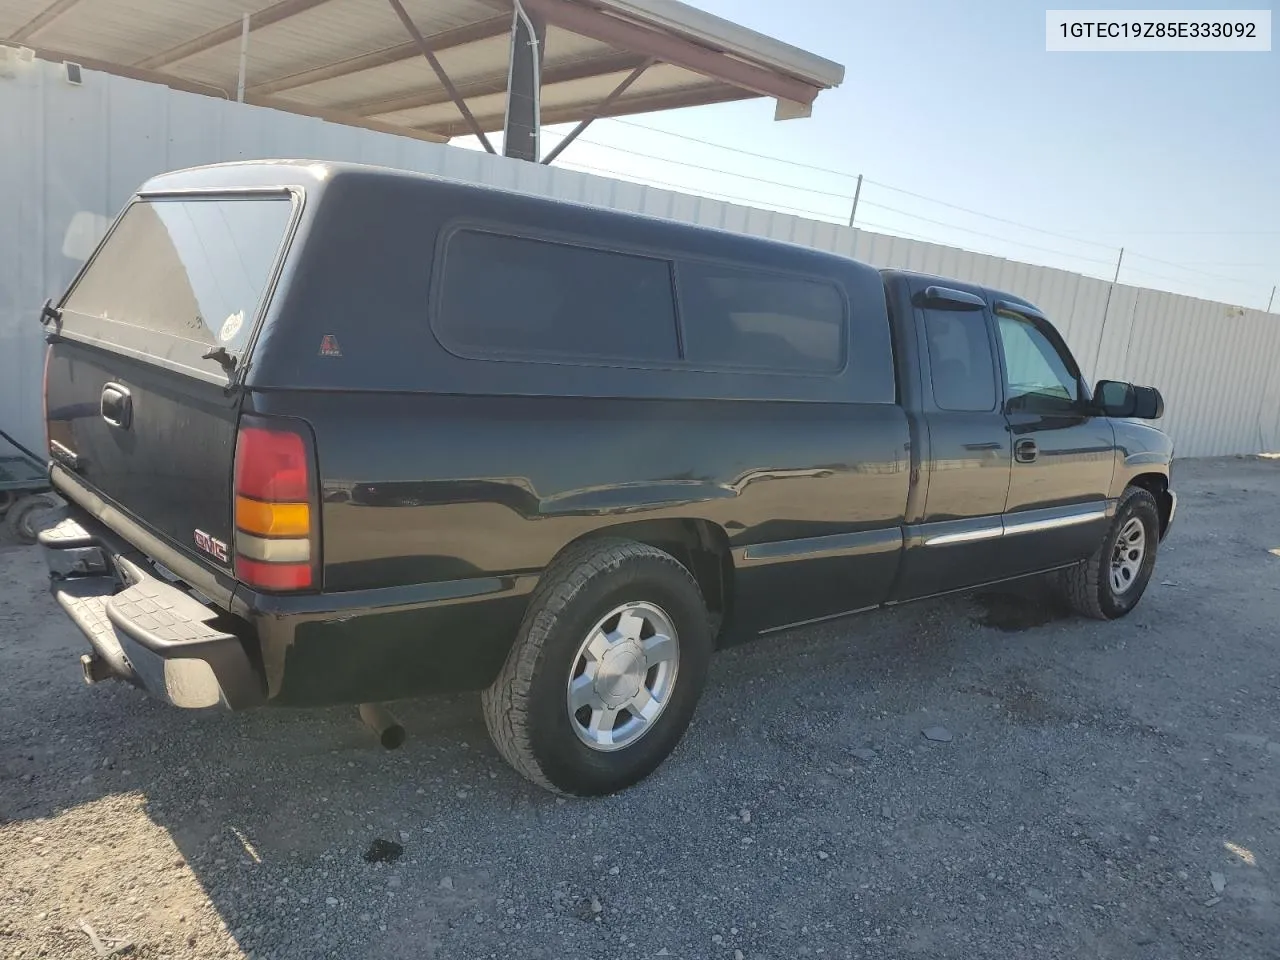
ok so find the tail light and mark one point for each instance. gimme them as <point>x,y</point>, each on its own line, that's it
<point>276,515</point>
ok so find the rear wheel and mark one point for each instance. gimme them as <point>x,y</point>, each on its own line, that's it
<point>606,671</point>
<point>1111,582</point>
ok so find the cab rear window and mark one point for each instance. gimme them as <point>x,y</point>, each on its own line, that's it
<point>178,278</point>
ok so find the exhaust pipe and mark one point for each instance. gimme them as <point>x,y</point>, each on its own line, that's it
<point>390,733</point>
<point>95,668</point>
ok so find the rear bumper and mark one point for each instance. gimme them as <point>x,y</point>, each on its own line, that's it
<point>146,630</point>
<point>298,650</point>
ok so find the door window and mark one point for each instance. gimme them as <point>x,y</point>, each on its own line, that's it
<point>1038,377</point>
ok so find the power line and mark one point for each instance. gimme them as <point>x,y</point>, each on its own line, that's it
<point>1151,273</point>
<point>1164,276</point>
<point>829,217</point>
<point>1241,266</point>
<point>920,196</point>
<point>980,233</point>
<point>894,232</point>
<point>716,170</point>
<point>838,173</point>
<point>722,146</point>
<point>989,216</point>
<point>891,230</point>
<point>1183,266</point>
<point>715,195</point>
<point>647,181</point>
<point>1194,233</point>
<point>869,203</point>
<point>841,196</point>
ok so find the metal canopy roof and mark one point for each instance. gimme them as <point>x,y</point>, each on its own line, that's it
<point>363,62</point>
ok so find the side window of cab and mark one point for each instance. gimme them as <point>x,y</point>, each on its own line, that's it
<point>1039,376</point>
<point>961,368</point>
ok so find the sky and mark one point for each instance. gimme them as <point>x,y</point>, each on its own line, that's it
<point>1173,156</point>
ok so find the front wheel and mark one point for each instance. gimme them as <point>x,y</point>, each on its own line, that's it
<point>606,671</point>
<point>1111,582</point>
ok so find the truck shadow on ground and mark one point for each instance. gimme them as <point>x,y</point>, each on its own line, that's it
<point>1021,606</point>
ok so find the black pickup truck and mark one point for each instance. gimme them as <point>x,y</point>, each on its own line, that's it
<point>332,434</point>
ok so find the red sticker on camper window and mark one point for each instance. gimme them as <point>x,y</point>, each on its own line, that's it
<point>329,346</point>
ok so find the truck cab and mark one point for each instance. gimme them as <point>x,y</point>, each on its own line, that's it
<point>1017,464</point>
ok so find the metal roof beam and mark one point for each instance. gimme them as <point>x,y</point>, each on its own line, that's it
<point>604,105</point>
<point>568,113</point>
<point>652,103</point>
<point>228,32</point>
<point>42,19</point>
<point>626,35</point>
<point>209,90</point>
<point>445,40</point>
<point>564,73</point>
<point>457,98</point>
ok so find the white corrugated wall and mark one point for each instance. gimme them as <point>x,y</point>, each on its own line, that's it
<point>68,150</point>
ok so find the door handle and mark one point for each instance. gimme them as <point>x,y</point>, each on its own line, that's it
<point>1025,451</point>
<point>116,405</point>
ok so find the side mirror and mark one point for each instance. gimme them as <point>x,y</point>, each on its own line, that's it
<point>1148,404</point>
<point>1114,398</point>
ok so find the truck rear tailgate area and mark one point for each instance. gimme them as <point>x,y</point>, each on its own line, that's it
<point>143,627</point>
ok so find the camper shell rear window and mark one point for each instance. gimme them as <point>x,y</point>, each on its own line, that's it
<point>179,277</point>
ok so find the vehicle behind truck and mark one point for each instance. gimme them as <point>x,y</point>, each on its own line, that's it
<point>339,434</point>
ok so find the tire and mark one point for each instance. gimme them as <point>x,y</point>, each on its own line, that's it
<point>574,611</point>
<point>1089,588</point>
<point>21,517</point>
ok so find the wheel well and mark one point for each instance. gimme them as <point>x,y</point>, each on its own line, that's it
<point>1156,484</point>
<point>701,546</point>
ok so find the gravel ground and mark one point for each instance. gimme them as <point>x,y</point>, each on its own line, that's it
<point>1109,791</point>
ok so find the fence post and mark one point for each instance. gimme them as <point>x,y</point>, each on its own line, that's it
<point>1106,309</point>
<point>857,192</point>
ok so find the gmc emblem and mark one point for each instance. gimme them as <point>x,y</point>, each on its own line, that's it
<point>212,546</point>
